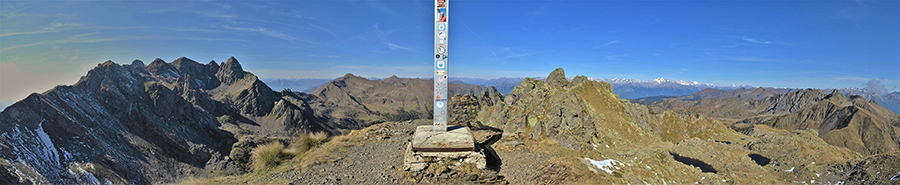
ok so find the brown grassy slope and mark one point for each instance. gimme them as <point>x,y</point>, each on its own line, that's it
<point>846,122</point>
<point>851,122</point>
<point>362,102</point>
<point>572,121</point>
<point>587,118</point>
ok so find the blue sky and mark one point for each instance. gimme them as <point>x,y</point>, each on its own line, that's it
<point>759,43</point>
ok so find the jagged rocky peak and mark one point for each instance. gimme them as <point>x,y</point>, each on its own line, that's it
<point>579,79</point>
<point>491,91</point>
<point>491,96</point>
<point>213,66</point>
<point>558,78</point>
<point>760,90</point>
<point>102,69</point>
<point>348,80</point>
<point>347,77</point>
<point>158,61</point>
<point>836,94</point>
<point>137,63</point>
<point>814,94</point>
<point>230,71</point>
<point>188,66</point>
<point>161,68</point>
<point>837,98</point>
<point>96,75</point>
<point>107,63</point>
<point>203,74</point>
<point>392,80</point>
<point>232,64</point>
<point>178,63</point>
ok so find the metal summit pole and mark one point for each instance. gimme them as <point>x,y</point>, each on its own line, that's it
<point>440,65</point>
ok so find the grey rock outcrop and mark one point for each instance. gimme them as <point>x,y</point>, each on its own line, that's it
<point>548,109</point>
<point>137,124</point>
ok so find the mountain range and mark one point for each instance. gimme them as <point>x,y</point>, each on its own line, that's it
<point>306,85</point>
<point>890,100</point>
<point>170,121</point>
<point>851,122</point>
<point>142,124</point>
<point>624,142</point>
<point>625,88</point>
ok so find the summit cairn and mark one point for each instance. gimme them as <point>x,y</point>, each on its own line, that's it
<point>441,151</point>
<point>444,155</point>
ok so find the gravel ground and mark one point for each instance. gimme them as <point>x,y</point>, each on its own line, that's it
<point>371,163</point>
<point>521,167</point>
<point>379,160</point>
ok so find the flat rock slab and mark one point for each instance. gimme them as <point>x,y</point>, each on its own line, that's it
<point>455,139</point>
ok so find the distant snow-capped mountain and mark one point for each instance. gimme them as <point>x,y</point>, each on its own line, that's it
<point>656,81</point>
<point>635,88</point>
<point>626,88</point>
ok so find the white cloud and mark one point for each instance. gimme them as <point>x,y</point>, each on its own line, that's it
<point>205,13</point>
<point>53,27</point>
<point>607,44</point>
<point>509,52</point>
<point>263,31</point>
<point>521,55</point>
<point>85,35</point>
<point>77,40</point>
<point>381,7</point>
<point>224,6</point>
<point>191,30</point>
<point>315,27</point>
<point>395,46</point>
<point>756,41</point>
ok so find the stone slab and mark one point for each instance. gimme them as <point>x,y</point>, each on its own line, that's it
<point>417,161</point>
<point>455,139</point>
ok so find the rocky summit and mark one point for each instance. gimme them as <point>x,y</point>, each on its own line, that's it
<point>852,122</point>
<point>191,123</point>
<point>137,124</point>
<point>599,138</point>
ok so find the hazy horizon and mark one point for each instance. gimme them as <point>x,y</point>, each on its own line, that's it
<point>834,44</point>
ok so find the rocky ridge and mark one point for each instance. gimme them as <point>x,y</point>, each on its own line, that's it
<point>578,131</point>
<point>852,122</point>
<point>633,144</point>
<point>164,121</point>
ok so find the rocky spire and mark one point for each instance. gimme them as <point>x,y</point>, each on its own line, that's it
<point>558,78</point>
<point>836,95</point>
<point>213,66</point>
<point>230,71</point>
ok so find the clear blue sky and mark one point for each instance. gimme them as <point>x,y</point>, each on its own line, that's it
<point>760,43</point>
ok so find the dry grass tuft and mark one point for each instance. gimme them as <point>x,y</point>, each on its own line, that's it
<point>305,142</point>
<point>274,158</point>
<point>269,155</point>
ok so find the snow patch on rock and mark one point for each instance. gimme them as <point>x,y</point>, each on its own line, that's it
<point>49,149</point>
<point>607,165</point>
